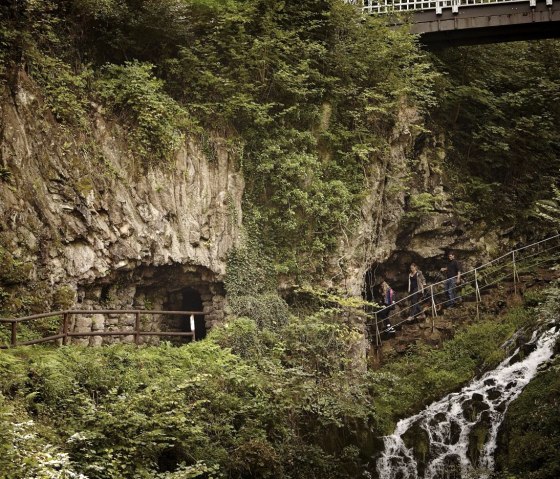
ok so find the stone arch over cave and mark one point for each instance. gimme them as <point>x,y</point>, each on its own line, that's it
<point>167,287</point>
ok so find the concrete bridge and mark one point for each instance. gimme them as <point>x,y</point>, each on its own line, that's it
<point>462,22</point>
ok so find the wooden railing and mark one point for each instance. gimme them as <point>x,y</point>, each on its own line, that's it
<point>65,316</point>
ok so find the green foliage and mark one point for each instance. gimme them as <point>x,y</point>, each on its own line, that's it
<point>143,412</point>
<point>249,270</point>
<point>242,337</point>
<point>498,107</point>
<point>321,344</point>
<point>20,294</point>
<point>530,436</point>
<point>198,470</point>
<point>534,298</point>
<point>63,298</point>
<point>549,209</point>
<point>313,298</point>
<point>23,453</point>
<point>65,91</point>
<point>12,270</point>
<point>268,310</point>
<point>250,286</point>
<point>424,202</point>
<point>155,120</point>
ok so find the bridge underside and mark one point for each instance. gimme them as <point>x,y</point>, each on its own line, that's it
<point>490,23</point>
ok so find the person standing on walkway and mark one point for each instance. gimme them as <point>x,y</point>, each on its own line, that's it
<point>388,302</point>
<point>453,278</point>
<point>416,285</point>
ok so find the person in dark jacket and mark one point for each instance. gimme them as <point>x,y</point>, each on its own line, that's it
<point>453,278</point>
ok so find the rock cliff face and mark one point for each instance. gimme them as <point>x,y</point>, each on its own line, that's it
<point>407,217</point>
<point>77,206</point>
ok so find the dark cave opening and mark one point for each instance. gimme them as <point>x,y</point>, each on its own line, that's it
<point>185,299</point>
<point>395,271</point>
<point>169,288</point>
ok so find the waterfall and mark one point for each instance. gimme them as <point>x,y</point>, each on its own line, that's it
<point>460,430</point>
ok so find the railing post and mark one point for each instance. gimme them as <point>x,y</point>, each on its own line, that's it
<point>434,308</point>
<point>14,334</point>
<point>377,336</point>
<point>515,276</point>
<point>193,326</point>
<point>477,293</point>
<point>455,6</point>
<point>137,328</point>
<point>65,329</point>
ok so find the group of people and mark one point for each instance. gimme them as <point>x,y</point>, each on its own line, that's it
<point>417,288</point>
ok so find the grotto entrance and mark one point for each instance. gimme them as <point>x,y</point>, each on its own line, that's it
<point>186,299</point>
<point>395,271</point>
<point>169,287</point>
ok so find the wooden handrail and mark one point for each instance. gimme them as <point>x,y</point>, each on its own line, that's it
<point>65,334</point>
<point>97,311</point>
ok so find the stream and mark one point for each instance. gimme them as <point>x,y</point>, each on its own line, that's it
<point>455,437</point>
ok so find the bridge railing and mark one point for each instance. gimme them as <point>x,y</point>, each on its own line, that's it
<point>435,296</point>
<point>64,333</point>
<point>390,6</point>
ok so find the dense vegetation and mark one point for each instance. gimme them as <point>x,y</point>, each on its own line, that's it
<point>305,91</point>
<point>306,94</point>
<point>498,112</point>
<point>278,401</point>
<point>530,436</point>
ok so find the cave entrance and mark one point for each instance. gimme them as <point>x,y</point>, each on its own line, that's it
<point>192,301</point>
<point>395,271</point>
<point>186,299</point>
<point>163,288</point>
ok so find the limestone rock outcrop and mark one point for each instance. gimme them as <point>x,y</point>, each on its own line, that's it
<point>79,208</point>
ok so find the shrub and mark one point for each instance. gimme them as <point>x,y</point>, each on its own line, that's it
<point>157,123</point>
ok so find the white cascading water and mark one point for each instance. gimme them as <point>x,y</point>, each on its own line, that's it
<point>449,422</point>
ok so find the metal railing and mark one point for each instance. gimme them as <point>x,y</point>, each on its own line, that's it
<point>64,334</point>
<point>373,7</point>
<point>435,297</point>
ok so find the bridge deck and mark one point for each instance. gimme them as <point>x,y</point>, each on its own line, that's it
<point>452,22</point>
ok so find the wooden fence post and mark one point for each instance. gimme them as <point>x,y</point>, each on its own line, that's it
<point>137,328</point>
<point>65,329</point>
<point>193,326</point>
<point>14,333</point>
